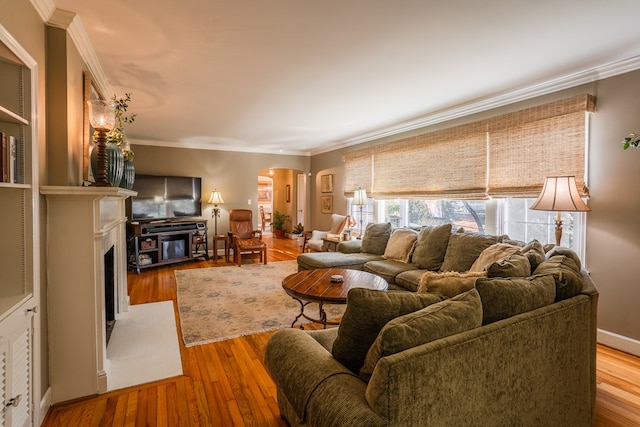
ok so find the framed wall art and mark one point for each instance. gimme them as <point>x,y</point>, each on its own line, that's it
<point>288,193</point>
<point>326,203</point>
<point>326,183</point>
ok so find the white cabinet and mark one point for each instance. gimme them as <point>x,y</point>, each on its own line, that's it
<point>19,262</point>
<point>16,376</point>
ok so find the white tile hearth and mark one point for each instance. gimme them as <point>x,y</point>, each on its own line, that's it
<point>143,346</point>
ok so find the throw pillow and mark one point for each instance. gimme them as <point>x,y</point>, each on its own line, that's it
<point>366,313</point>
<point>400,245</point>
<point>503,298</point>
<point>514,265</point>
<point>561,250</point>
<point>446,318</point>
<point>375,238</point>
<point>463,249</point>
<point>431,247</point>
<point>492,254</point>
<point>449,283</point>
<point>534,252</point>
<point>567,275</point>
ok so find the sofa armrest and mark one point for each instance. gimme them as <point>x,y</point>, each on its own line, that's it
<point>350,246</point>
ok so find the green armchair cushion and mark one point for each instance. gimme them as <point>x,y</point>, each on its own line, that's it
<point>566,273</point>
<point>431,246</point>
<point>366,313</point>
<point>449,317</point>
<point>506,297</point>
<point>463,249</point>
<point>375,238</point>
<point>401,244</point>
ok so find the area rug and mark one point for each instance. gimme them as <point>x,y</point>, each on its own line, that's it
<point>220,303</point>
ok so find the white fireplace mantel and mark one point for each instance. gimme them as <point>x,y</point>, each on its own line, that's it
<point>83,223</point>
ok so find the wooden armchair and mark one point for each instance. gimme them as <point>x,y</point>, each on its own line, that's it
<point>265,218</point>
<point>313,241</point>
<point>243,237</point>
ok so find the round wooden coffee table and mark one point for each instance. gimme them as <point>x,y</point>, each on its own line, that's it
<point>316,286</point>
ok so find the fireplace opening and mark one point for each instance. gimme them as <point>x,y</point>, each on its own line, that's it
<point>109,292</point>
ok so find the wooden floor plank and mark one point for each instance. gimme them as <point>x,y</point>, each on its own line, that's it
<point>226,384</point>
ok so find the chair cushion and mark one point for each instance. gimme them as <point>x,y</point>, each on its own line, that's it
<point>400,245</point>
<point>366,313</point>
<point>250,244</point>
<point>431,246</point>
<point>449,283</point>
<point>375,238</point>
<point>506,297</point>
<point>443,319</point>
<point>463,249</point>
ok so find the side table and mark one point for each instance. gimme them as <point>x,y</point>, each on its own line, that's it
<point>330,245</point>
<point>225,240</point>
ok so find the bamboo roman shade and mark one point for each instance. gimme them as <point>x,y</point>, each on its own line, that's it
<point>450,163</point>
<point>528,145</point>
<point>505,156</point>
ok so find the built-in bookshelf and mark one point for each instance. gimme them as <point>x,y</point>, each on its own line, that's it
<point>19,263</point>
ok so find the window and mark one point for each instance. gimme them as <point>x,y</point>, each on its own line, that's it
<point>468,214</point>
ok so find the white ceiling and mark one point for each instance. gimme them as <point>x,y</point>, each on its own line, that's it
<point>305,76</point>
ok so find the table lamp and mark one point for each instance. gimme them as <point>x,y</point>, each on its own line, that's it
<point>102,118</point>
<point>560,194</point>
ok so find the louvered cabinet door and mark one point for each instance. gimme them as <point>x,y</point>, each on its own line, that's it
<point>15,369</point>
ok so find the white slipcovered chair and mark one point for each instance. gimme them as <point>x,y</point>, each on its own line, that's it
<point>313,240</point>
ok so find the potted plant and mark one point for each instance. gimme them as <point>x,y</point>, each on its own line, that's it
<point>278,223</point>
<point>297,233</point>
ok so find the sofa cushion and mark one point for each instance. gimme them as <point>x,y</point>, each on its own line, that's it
<point>409,280</point>
<point>449,283</point>
<point>492,254</point>
<point>375,238</point>
<point>388,269</point>
<point>534,252</point>
<point>514,265</point>
<point>570,253</point>
<point>366,313</point>
<point>463,249</point>
<point>506,297</point>
<point>431,246</point>
<point>400,245</point>
<point>567,276</point>
<point>315,260</point>
<point>455,315</point>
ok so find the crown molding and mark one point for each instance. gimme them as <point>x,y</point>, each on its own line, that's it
<point>71,22</point>
<point>214,147</point>
<point>583,77</point>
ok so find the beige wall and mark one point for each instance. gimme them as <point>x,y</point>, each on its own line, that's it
<point>234,174</point>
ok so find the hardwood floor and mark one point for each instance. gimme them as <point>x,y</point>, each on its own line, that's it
<point>225,383</point>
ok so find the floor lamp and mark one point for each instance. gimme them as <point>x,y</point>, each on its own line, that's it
<point>360,199</point>
<point>560,194</point>
<point>215,199</point>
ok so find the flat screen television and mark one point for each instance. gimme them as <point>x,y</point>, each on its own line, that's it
<point>165,198</point>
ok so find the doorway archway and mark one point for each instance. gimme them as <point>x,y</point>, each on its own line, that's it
<point>284,191</point>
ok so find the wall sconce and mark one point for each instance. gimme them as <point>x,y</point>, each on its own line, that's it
<point>560,194</point>
<point>102,118</point>
<point>215,199</point>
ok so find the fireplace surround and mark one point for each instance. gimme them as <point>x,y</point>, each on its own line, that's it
<point>83,225</point>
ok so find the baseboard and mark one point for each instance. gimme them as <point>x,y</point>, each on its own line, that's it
<point>45,404</point>
<point>619,342</point>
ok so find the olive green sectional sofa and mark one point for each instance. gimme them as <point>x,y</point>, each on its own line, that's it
<point>511,344</point>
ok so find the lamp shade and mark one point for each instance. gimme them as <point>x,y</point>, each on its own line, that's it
<point>215,198</point>
<point>101,114</point>
<point>360,197</point>
<point>560,193</point>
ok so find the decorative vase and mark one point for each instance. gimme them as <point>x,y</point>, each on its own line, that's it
<point>128,176</point>
<point>115,163</point>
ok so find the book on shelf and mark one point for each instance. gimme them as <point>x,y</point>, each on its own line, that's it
<point>3,157</point>
<point>12,159</point>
